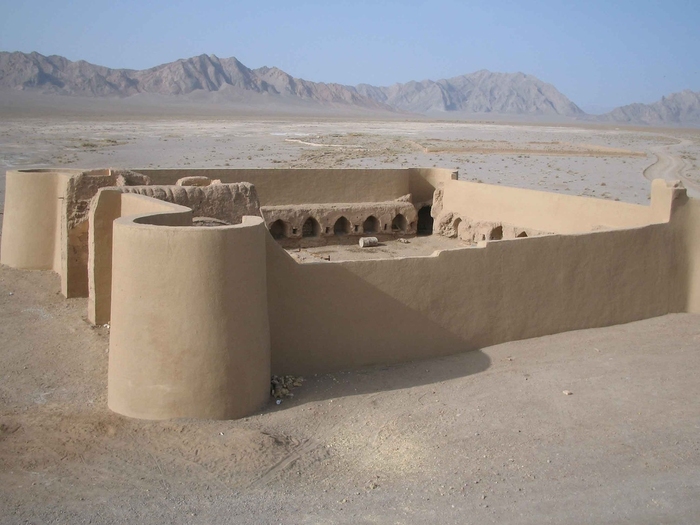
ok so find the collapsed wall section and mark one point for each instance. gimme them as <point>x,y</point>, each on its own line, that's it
<point>303,186</point>
<point>226,202</point>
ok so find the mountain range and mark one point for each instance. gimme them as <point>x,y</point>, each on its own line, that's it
<point>205,73</point>
<point>207,77</point>
<point>677,108</point>
<point>480,92</point>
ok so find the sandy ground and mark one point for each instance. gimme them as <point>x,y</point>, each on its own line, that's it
<point>602,162</point>
<point>481,437</point>
<point>408,246</point>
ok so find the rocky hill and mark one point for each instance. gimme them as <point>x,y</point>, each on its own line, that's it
<point>678,108</point>
<point>204,73</point>
<point>480,92</point>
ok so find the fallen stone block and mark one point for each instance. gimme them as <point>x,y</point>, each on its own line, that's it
<point>368,242</point>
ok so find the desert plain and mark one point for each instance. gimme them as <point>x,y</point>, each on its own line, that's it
<point>487,436</point>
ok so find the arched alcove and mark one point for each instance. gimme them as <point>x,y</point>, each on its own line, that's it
<point>455,226</point>
<point>341,226</point>
<point>311,228</point>
<point>278,229</point>
<point>371,225</point>
<point>399,224</point>
<point>496,234</point>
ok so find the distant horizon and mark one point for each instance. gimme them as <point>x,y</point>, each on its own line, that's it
<point>591,109</point>
<point>598,53</point>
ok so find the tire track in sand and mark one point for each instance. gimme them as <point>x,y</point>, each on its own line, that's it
<point>670,165</point>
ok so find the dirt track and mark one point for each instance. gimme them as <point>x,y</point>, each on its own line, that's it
<point>671,165</point>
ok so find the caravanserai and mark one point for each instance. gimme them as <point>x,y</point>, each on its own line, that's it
<point>194,270</point>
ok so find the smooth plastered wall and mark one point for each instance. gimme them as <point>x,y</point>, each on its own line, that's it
<point>539,210</point>
<point>189,329</point>
<point>33,229</point>
<point>330,316</point>
<point>423,181</point>
<point>687,228</point>
<point>110,204</point>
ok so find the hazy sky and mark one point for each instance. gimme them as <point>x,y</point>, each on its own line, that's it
<point>598,53</point>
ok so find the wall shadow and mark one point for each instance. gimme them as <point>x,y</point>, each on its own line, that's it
<point>383,378</point>
<point>327,320</point>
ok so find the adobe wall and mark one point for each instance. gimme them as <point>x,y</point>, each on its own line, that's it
<point>327,316</point>
<point>317,186</point>
<point>687,227</point>
<point>79,191</point>
<point>368,312</point>
<point>302,186</point>
<point>241,299</point>
<point>46,220</point>
<point>386,219</point>
<point>46,211</point>
<point>423,182</point>
<point>226,202</point>
<point>537,210</point>
<point>189,330</point>
<point>33,218</point>
<point>110,204</point>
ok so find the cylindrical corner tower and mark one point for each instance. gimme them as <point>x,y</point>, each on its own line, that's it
<point>189,325</point>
